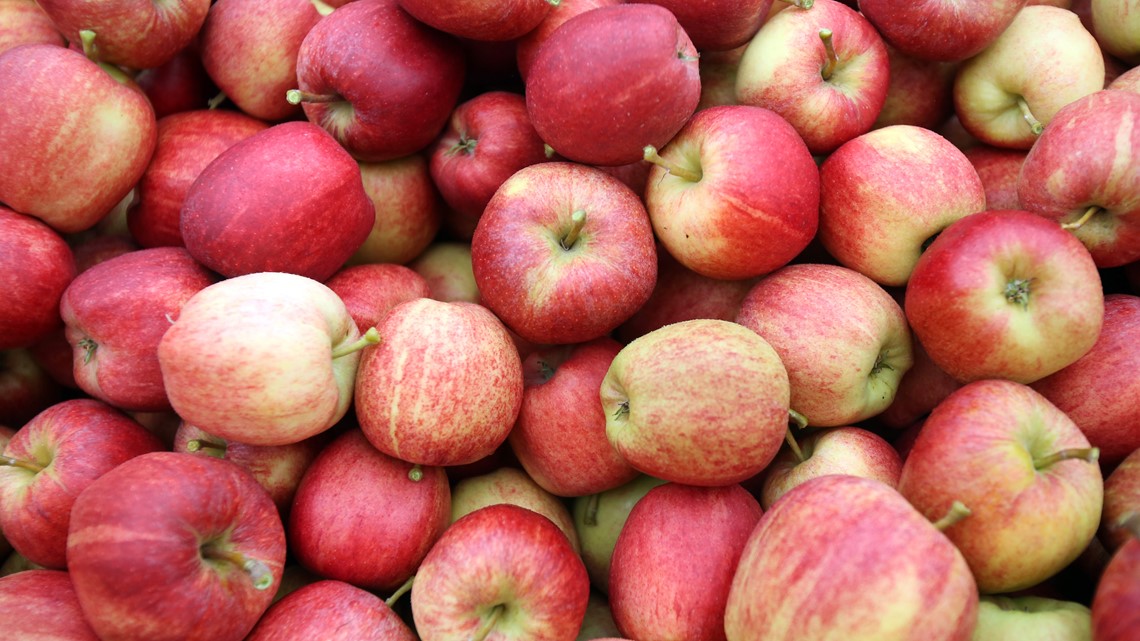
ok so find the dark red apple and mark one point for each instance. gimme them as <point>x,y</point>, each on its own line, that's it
<point>36,266</point>
<point>369,291</point>
<point>41,605</point>
<point>331,611</point>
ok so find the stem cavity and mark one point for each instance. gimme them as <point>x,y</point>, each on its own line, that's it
<point>832,58</point>
<point>957,512</point>
<point>577,221</point>
<point>88,346</point>
<point>20,463</point>
<point>1089,213</point>
<point>1034,124</point>
<point>1090,454</point>
<point>489,623</point>
<point>649,153</point>
<point>296,97</point>
<point>256,569</point>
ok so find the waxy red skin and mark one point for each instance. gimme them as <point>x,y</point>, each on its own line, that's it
<point>483,20</point>
<point>941,30</point>
<point>837,553</point>
<point>286,199</point>
<point>134,549</point>
<point>36,266</point>
<point>358,517</point>
<point>371,290</point>
<point>332,611</point>
<point>41,604</point>
<point>526,47</point>
<point>1116,602</point>
<point>999,169</point>
<point>718,25</point>
<point>919,92</point>
<point>674,561</point>
<point>837,450</point>
<point>181,84</point>
<point>1121,498</point>
<point>24,22</point>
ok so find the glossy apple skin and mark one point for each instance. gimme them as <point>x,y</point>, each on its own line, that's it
<point>546,292</point>
<point>279,185</point>
<point>922,387</point>
<point>877,569</point>
<point>958,306</point>
<point>409,210</point>
<point>55,100</point>
<point>1089,157</point>
<point>180,84</point>
<point>75,441</point>
<point>838,450</point>
<point>511,485</point>
<point>333,611</point>
<point>978,447</point>
<point>1116,603</point>
<point>675,558</point>
<point>606,54</point>
<point>940,30</point>
<point>187,143</point>
<point>371,290</point>
<point>501,555</point>
<point>24,22</point>
<point>36,266</point>
<point>351,483</point>
<point>527,45</point>
<point>41,604</point>
<point>999,170</point>
<point>483,20</point>
<point>718,25</point>
<point>599,520</point>
<point>1121,498</point>
<point>919,93</point>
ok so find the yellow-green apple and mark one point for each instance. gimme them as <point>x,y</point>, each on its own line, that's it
<point>607,53</point>
<point>24,22</point>
<point>187,143</point>
<point>718,76</point>
<point>1042,61</point>
<point>1121,497</point>
<point>940,29</point>
<point>279,184</point>
<point>1116,602</point>
<point>443,386</point>
<point>487,139</point>
<point>565,450</point>
<point>409,210</point>
<point>332,611</point>
<point>526,46</point>
<point>172,546</point>
<point>1001,295</point>
<point>369,291</point>
<point>1084,172</point>
<point>842,339</point>
<point>501,572</point>
<point>406,508</point>
<point>489,20</point>
<point>564,253</point>
<point>180,84</point>
<point>920,92</point>
<point>513,486</point>
<point>999,170</point>
<point>886,193</point>
<point>1109,418</point>
<point>598,624</point>
<point>847,557</point>
<point>1116,25</point>
<point>53,102</point>
<point>36,266</point>
<point>1012,618</point>
<point>824,69</point>
<point>599,519</point>
<point>116,313</point>
<point>707,206</point>
<point>1024,469</point>
<point>26,388</point>
<point>264,359</point>
<point>922,388</point>
<point>836,450</point>
<point>378,112</point>
<point>249,49</point>
<point>50,461</point>
<point>675,558</point>
<point>718,25</point>
<point>446,266</point>
<point>41,605</point>
<point>675,413</point>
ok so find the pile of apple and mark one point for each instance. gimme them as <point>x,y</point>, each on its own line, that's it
<point>570,319</point>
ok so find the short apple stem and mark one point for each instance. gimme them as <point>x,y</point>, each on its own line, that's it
<point>649,153</point>
<point>832,58</point>
<point>416,474</point>
<point>800,420</point>
<point>489,624</point>
<point>296,97</point>
<point>957,512</point>
<point>371,337</point>
<point>88,346</point>
<point>790,439</point>
<point>591,517</point>
<point>1090,454</point>
<point>400,591</point>
<point>577,221</point>
<point>1130,522</point>
<point>802,4</point>
<point>465,145</point>
<point>212,448</point>
<point>1089,213</point>
<point>1034,123</point>
<point>547,151</point>
<point>322,8</point>
<point>216,101</point>
<point>87,40</point>
<point>15,462</point>
<point>257,570</point>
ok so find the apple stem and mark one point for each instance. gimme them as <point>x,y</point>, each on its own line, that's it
<point>800,420</point>
<point>213,448</point>
<point>296,97</point>
<point>88,346</point>
<point>794,446</point>
<point>547,151</point>
<point>592,502</point>
<point>1034,123</point>
<point>216,101</point>
<point>322,8</point>
<point>485,629</point>
<point>1090,454</point>
<point>1089,213</point>
<point>1130,522</point>
<point>400,591</point>
<point>554,3</point>
<point>416,474</point>
<point>802,4</point>
<point>257,570</point>
<point>87,40</point>
<point>649,153</point>
<point>577,221</point>
<point>371,337</point>
<point>15,462</point>
<point>957,512</point>
<point>832,58</point>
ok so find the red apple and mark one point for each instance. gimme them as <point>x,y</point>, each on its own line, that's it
<point>369,291</point>
<point>512,486</point>
<point>180,84</point>
<point>409,210</point>
<point>838,450</point>
<point>922,388</point>
<point>331,611</point>
<point>999,170</point>
<point>25,22</point>
<point>1116,602</point>
<point>527,45</point>
<point>92,250</point>
<point>36,266</point>
<point>599,520</point>
<point>493,20</point>
<point>1127,81</point>
<point>718,25</point>
<point>718,76</point>
<point>920,92</point>
<point>1121,498</point>
<point>41,604</point>
<point>26,389</point>
<point>940,29</point>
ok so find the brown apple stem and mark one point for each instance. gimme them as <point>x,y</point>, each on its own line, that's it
<point>802,4</point>
<point>790,439</point>
<point>800,420</point>
<point>1130,522</point>
<point>212,448</point>
<point>296,97</point>
<point>957,512</point>
<point>591,517</point>
<point>416,474</point>
<point>15,462</point>
<point>216,101</point>
<point>489,623</point>
<point>400,591</point>
<point>1034,123</point>
<point>577,221</point>
<point>1090,454</point>
<point>371,337</point>
<point>1089,213</point>
<point>257,570</point>
<point>322,8</point>
<point>832,58</point>
<point>87,40</point>
<point>649,153</point>
<point>88,346</point>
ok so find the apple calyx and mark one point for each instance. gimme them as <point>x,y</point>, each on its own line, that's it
<point>790,439</point>
<point>802,4</point>
<point>88,345</point>
<point>207,447</point>
<point>370,337</point>
<point>832,58</point>
<point>649,153</point>
<point>880,364</point>
<point>256,569</point>
<point>489,623</point>
<point>322,8</point>
<point>35,468</point>
<point>1089,213</point>
<point>957,512</point>
<point>400,591</point>
<point>465,145</point>
<point>1034,124</point>
<point>416,474</point>
<point>296,97</point>
<point>1090,454</point>
<point>577,221</point>
<point>1017,292</point>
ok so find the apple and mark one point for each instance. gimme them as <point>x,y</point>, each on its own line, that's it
<point>1121,497</point>
<point>718,76</point>
<point>919,92</point>
<point>174,546</point>
<point>53,101</point>
<point>1115,25</point>
<point>41,604</point>
<point>707,206</point>
<point>939,29</point>
<point>886,193</point>
<point>1006,618</point>
<point>847,557</point>
<point>36,266</point>
<point>527,45</point>
<point>501,572</point>
<point>837,450</point>
<point>824,69</point>
<point>921,389</point>
<point>92,250</point>
<point>363,517</point>
<point>512,486</point>
<point>718,25</point>
<point>446,266</point>
<point>1127,81</point>
<point>482,19</point>
<point>842,338</point>
<point>563,253</point>
<point>332,611</point>
<point>25,22</point>
<point>1116,600</point>
<point>409,210</point>
<point>180,84</point>
<point>26,389</point>
<point>675,559</point>
<point>1005,294</point>
<point>999,170</point>
<point>599,520</point>
<point>606,54</point>
<point>369,291</point>
<point>263,359</point>
<point>673,413</point>
<point>598,624</point>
